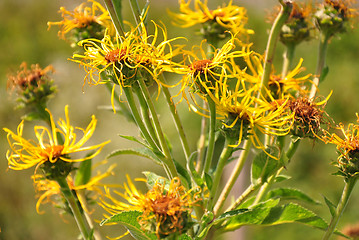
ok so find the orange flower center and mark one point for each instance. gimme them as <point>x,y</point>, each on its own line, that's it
<point>115,55</point>
<point>201,65</point>
<point>54,151</point>
<point>166,205</point>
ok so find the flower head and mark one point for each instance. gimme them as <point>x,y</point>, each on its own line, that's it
<point>309,117</point>
<point>33,85</point>
<point>165,208</point>
<point>53,147</point>
<point>332,15</point>
<point>125,59</point>
<point>215,22</point>
<point>84,21</point>
<point>347,144</point>
<point>243,114</point>
<point>203,75</point>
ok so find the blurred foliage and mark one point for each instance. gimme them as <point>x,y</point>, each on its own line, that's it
<point>24,37</point>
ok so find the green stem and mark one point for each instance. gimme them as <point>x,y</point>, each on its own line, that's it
<point>285,160</point>
<point>123,108</point>
<point>287,59</point>
<point>177,122</point>
<point>164,145</point>
<point>252,188</point>
<point>202,140</point>
<point>115,13</point>
<point>235,173</point>
<point>226,153</point>
<point>211,136</point>
<point>348,188</point>
<point>138,119</point>
<point>272,42</point>
<point>323,46</point>
<point>71,200</point>
<point>145,114</point>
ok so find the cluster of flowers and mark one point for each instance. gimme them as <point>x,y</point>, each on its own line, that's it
<point>223,78</point>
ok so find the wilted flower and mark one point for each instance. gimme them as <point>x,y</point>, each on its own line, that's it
<point>165,208</point>
<point>34,86</point>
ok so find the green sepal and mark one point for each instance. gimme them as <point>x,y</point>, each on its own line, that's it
<point>331,206</point>
<point>83,173</point>
<point>290,194</point>
<point>184,237</point>
<point>264,166</point>
<point>129,219</point>
<point>152,178</point>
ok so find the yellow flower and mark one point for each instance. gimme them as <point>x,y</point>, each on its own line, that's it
<point>52,146</point>
<point>279,86</point>
<point>84,17</point>
<point>243,114</point>
<point>348,148</point>
<point>120,58</point>
<point>203,74</point>
<point>231,18</point>
<point>164,209</point>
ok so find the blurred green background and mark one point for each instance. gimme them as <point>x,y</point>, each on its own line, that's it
<point>24,37</point>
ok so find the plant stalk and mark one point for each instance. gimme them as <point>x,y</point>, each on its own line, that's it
<point>71,200</point>
<point>233,178</point>
<point>348,188</point>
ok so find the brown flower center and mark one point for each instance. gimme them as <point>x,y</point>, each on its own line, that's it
<point>200,65</point>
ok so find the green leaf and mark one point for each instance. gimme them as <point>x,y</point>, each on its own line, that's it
<point>290,193</point>
<point>183,172</point>
<point>264,166</point>
<point>142,152</point>
<point>129,219</point>
<point>83,173</point>
<point>209,180</point>
<point>152,178</point>
<point>281,178</point>
<point>190,165</point>
<point>331,206</point>
<point>288,213</point>
<point>325,72</point>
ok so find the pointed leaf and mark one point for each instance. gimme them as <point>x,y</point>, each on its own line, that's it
<point>290,193</point>
<point>190,165</point>
<point>152,178</point>
<point>129,219</point>
<point>281,178</point>
<point>184,173</point>
<point>209,180</point>
<point>83,173</point>
<point>264,166</point>
<point>142,152</point>
<point>331,206</point>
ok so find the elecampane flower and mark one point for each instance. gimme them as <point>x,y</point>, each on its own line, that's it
<point>52,145</point>
<point>82,17</point>
<point>232,18</point>
<point>167,209</point>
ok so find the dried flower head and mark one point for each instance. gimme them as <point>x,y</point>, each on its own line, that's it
<point>165,208</point>
<point>34,86</point>
<point>309,117</point>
